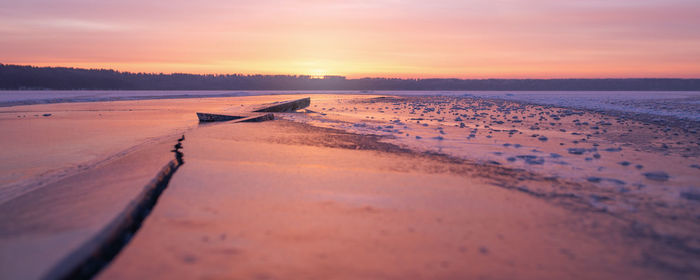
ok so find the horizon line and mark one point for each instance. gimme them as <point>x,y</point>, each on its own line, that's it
<point>321,77</point>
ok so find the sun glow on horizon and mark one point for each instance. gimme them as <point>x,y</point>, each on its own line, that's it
<point>317,73</point>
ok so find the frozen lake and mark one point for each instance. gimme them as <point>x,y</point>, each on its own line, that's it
<point>679,104</point>
<point>531,182</point>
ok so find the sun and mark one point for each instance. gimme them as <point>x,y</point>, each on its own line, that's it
<point>317,73</point>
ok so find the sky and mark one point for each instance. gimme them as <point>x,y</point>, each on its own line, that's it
<point>380,38</point>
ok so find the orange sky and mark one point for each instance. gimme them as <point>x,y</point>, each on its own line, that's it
<point>388,38</point>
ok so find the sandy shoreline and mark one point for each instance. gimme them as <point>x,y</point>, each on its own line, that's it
<point>306,197</point>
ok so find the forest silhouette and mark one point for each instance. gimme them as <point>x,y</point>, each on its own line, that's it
<point>21,77</point>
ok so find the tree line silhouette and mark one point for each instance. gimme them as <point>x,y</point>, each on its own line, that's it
<point>21,77</point>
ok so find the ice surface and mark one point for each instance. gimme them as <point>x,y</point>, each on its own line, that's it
<point>619,168</point>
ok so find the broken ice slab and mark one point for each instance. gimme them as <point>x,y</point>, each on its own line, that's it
<point>207,117</point>
<point>258,118</point>
<point>286,106</point>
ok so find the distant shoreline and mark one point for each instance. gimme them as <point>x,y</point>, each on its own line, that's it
<point>22,77</point>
